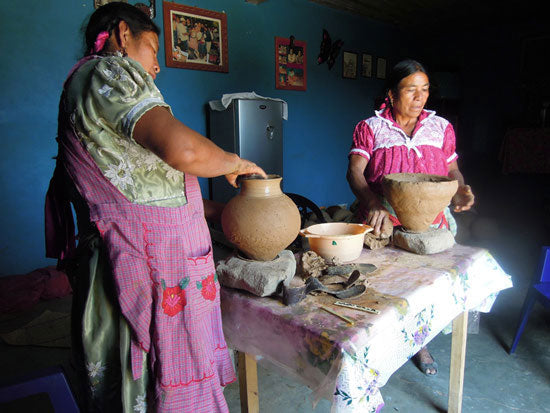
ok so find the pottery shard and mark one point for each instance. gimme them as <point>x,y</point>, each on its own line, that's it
<point>417,199</point>
<point>260,278</point>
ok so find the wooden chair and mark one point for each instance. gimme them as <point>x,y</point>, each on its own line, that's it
<point>305,207</point>
<point>538,291</point>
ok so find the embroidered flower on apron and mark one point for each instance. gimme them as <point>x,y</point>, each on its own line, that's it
<point>207,287</point>
<point>173,298</point>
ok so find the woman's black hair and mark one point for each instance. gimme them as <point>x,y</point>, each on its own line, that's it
<point>107,17</point>
<point>400,71</point>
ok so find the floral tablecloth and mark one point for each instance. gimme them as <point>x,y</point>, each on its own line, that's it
<point>417,295</point>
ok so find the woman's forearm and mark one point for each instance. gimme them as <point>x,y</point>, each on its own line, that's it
<point>454,173</point>
<point>360,187</point>
<point>200,156</point>
<point>464,197</point>
<point>181,147</point>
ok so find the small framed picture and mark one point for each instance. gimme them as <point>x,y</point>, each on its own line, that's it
<point>290,64</point>
<point>366,65</point>
<point>349,65</point>
<point>381,68</point>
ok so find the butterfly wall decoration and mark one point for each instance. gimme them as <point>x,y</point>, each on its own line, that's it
<point>329,50</point>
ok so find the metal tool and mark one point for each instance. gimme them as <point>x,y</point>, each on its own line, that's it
<point>357,307</point>
<point>343,317</point>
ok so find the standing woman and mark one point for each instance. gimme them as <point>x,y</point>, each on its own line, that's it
<point>147,332</point>
<point>404,137</point>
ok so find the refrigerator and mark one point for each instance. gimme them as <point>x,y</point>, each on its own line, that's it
<point>253,129</point>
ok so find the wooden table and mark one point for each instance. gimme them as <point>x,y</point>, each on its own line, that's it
<point>418,296</point>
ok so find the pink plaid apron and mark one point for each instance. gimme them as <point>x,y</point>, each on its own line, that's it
<point>167,287</point>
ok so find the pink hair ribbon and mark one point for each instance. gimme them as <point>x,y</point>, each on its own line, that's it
<point>100,41</point>
<point>385,104</point>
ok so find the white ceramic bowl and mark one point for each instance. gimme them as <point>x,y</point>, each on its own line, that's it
<point>336,239</point>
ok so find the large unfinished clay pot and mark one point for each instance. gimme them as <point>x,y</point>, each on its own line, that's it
<point>417,199</point>
<point>261,220</point>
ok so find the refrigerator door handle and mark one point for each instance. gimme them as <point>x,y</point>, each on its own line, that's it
<point>270,131</point>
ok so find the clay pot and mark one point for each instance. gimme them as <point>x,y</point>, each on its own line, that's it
<point>417,199</point>
<point>261,220</point>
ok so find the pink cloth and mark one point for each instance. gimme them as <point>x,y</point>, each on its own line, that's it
<point>21,292</point>
<point>165,278</point>
<point>381,141</point>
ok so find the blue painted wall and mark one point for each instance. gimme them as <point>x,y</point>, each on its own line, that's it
<point>41,39</point>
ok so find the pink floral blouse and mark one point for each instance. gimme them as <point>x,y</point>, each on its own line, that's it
<point>387,148</point>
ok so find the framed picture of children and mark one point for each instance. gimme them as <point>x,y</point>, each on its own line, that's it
<point>290,64</point>
<point>195,38</point>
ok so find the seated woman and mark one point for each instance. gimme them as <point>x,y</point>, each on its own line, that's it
<point>404,137</point>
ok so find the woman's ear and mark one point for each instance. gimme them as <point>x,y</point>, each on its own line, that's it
<point>391,96</point>
<point>124,34</point>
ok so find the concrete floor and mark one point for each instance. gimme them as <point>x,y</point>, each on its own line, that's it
<point>512,220</point>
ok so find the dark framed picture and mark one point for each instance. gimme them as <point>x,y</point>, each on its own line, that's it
<point>366,65</point>
<point>150,9</point>
<point>381,67</point>
<point>290,64</point>
<point>99,3</point>
<point>349,65</point>
<point>195,38</point>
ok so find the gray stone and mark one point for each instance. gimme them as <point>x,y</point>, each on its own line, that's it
<point>429,242</point>
<point>257,277</point>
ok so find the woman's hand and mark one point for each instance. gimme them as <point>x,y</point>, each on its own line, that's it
<point>463,199</point>
<point>378,218</point>
<point>244,167</point>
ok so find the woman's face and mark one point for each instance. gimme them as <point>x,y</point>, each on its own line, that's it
<point>413,92</point>
<point>144,49</point>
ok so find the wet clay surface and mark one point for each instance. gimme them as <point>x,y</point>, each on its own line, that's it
<point>418,198</point>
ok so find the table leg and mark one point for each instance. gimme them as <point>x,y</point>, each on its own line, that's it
<point>248,383</point>
<point>458,358</point>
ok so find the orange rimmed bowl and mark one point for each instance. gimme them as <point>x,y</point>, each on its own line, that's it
<point>336,239</point>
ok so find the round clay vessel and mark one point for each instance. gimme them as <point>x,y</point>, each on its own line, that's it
<point>261,220</point>
<point>417,199</point>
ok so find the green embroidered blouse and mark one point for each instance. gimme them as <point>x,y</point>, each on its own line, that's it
<point>106,98</point>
